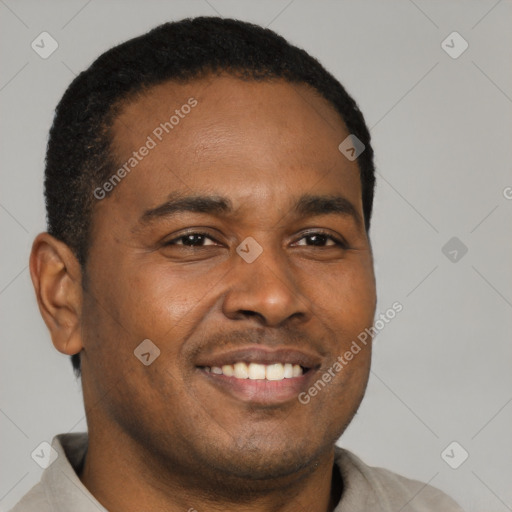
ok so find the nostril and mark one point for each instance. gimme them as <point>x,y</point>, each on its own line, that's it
<point>244,314</point>
<point>248,312</point>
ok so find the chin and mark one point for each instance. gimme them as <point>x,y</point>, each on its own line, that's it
<point>254,460</point>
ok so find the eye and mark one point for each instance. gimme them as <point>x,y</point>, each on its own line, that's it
<point>193,240</point>
<point>320,239</point>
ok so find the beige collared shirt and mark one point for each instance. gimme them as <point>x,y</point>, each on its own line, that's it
<point>366,489</point>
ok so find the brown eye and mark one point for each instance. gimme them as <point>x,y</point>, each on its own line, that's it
<point>319,239</point>
<point>193,240</point>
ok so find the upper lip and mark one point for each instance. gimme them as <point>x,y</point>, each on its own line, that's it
<point>261,355</point>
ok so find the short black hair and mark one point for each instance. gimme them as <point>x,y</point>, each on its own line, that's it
<point>79,156</point>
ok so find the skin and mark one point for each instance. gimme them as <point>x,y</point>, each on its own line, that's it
<point>162,437</point>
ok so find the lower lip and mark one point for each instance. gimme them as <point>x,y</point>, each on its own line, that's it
<point>265,392</point>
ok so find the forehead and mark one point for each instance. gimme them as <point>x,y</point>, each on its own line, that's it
<point>229,110</point>
<point>224,92</point>
<point>221,133</point>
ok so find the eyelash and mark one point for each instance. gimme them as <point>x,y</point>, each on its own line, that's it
<point>338,242</point>
<point>192,233</point>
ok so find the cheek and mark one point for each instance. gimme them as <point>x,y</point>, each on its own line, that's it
<point>170,298</point>
<point>345,299</point>
<point>155,301</point>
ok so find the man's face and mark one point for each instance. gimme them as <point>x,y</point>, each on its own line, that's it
<point>260,151</point>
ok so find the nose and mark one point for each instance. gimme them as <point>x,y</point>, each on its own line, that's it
<point>266,290</point>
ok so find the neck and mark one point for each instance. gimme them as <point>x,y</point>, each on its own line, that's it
<point>123,477</point>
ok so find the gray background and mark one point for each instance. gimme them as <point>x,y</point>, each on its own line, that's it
<point>441,130</point>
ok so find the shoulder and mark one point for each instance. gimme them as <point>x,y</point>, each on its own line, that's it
<point>388,491</point>
<point>34,501</point>
<point>59,485</point>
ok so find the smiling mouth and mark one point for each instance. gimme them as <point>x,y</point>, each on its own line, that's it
<point>260,375</point>
<point>256,371</point>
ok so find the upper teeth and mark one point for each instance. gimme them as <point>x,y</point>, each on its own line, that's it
<point>256,371</point>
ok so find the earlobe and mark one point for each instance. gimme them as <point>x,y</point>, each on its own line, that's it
<point>57,279</point>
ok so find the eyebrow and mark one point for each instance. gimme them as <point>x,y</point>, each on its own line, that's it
<point>217,205</point>
<point>199,204</point>
<point>324,205</point>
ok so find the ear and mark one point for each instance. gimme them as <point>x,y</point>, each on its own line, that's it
<point>57,279</point>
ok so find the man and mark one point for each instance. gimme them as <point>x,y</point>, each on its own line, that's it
<point>207,266</point>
